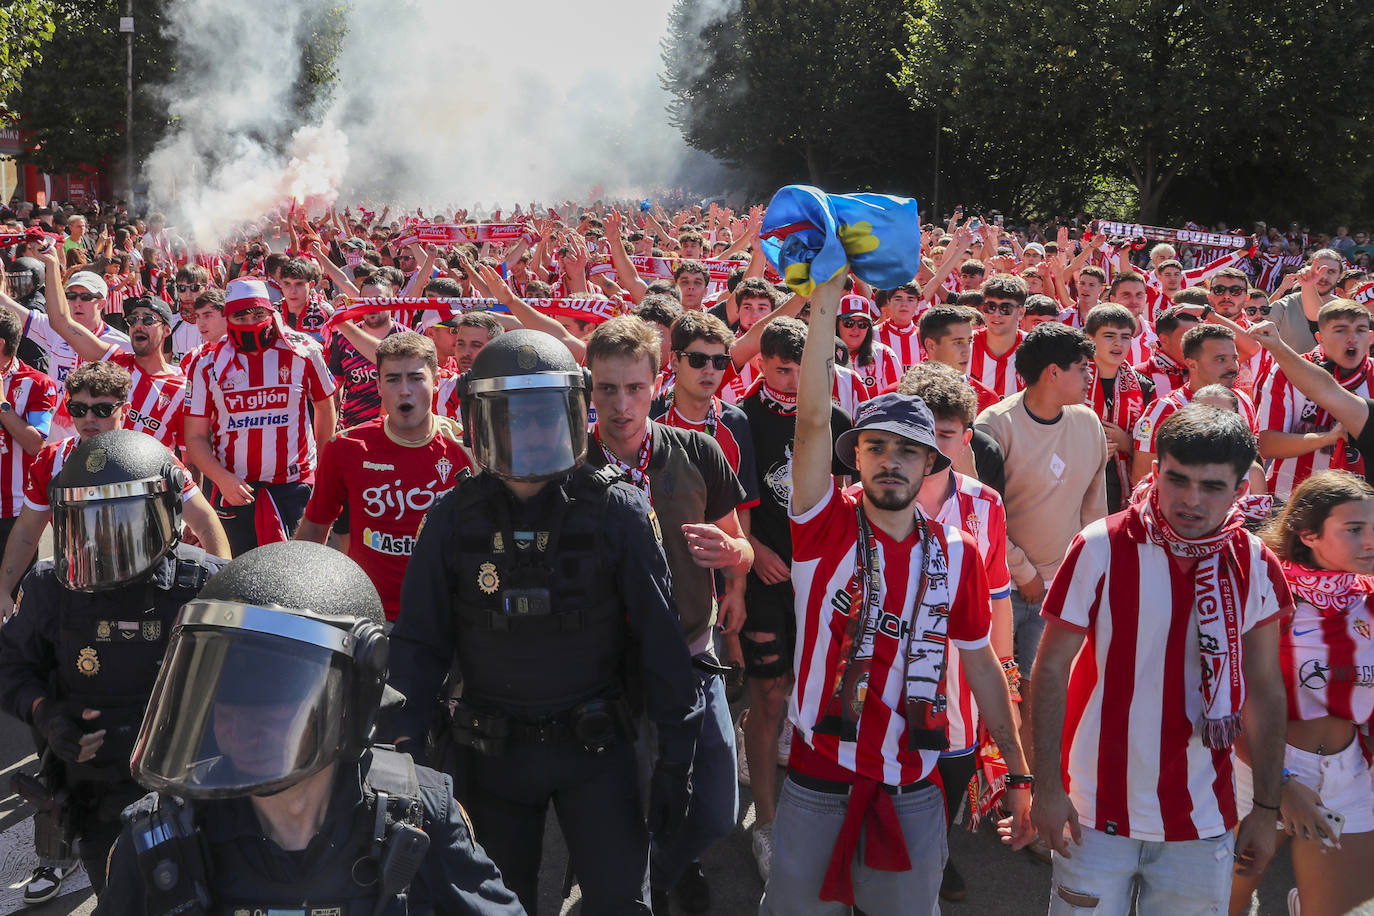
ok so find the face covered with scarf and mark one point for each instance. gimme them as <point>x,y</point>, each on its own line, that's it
<point>252,320</point>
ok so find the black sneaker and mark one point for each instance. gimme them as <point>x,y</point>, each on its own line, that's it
<point>952,884</point>
<point>692,891</point>
<point>45,884</point>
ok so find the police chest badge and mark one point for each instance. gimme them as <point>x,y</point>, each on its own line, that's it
<point>87,662</point>
<point>152,630</point>
<point>487,579</point>
<point>102,630</point>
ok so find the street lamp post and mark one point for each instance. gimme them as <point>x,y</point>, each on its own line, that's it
<point>126,25</point>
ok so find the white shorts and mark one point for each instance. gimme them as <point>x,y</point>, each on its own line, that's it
<point>1343,781</point>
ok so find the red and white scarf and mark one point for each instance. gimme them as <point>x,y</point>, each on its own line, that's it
<point>1327,589</point>
<point>1216,612</point>
<point>1344,457</point>
<point>638,473</point>
<point>1128,406</point>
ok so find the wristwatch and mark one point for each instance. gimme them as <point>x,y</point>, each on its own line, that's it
<point>6,407</point>
<point>1019,781</point>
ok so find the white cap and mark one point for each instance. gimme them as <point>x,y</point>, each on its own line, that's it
<point>91,281</point>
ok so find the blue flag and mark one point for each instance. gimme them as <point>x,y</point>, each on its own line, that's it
<point>810,236</point>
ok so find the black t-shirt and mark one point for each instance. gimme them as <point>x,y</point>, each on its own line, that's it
<point>1364,442</point>
<point>773,433</point>
<point>721,311</point>
<point>989,461</point>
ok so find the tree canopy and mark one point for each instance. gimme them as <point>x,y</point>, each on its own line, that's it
<point>1154,109</point>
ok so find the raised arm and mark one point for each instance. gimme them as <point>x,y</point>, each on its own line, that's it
<point>89,347</point>
<point>813,448</point>
<point>624,268</point>
<point>1350,410</point>
<point>747,346</point>
<point>526,314</point>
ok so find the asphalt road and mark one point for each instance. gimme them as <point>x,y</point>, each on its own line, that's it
<point>999,881</point>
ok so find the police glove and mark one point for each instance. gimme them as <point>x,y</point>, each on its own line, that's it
<point>59,721</point>
<point>670,791</point>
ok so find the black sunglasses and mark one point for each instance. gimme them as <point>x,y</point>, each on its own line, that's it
<point>192,287</point>
<point>85,297</point>
<point>81,408</point>
<point>998,307</point>
<point>1232,290</point>
<point>698,360</point>
<point>1258,309</point>
<point>146,320</point>
<point>849,321</point>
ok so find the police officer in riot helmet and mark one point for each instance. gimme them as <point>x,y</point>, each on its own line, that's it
<point>79,657</point>
<point>24,284</point>
<point>270,796</point>
<point>544,583</point>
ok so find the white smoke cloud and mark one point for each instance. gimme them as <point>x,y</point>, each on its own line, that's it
<point>436,103</point>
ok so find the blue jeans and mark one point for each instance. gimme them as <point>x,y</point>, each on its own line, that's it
<point>715,790</point>
<point>1182,878</point>
<point>804,835</point>
<point>1027,625</point>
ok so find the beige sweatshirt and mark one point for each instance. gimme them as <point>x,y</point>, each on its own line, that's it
<point>1055,481</point>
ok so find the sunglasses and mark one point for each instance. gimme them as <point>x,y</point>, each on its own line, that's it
<point>849,321</point>
<point>998,307</point>
<point>1231,290</point>
<point>698,360</point>
<point>1253,310</point>
<point>192,287</point>
<point>85,297</point>
<point>79,409</point>
<point>146,320</point>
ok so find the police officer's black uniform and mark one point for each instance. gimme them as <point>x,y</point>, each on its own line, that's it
<point>302,626</point>
<point>552,608</point>
<point>92,626</point>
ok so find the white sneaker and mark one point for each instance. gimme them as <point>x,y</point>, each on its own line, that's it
<point>1294,904</point>
<point>741,756</point>
<point>763,849</point>
<point>785,742</point>
<point>45,884</point>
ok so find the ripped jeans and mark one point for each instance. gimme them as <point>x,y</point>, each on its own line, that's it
<point>1180,878</point>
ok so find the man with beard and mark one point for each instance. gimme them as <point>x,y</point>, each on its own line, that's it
<point>1209,353</point>
<point>1295,315</point>
<point>355,371</point>
<point>869,708</point>
<point>1301,437</point>
<point>1227,292</point>
<point>157,399</point>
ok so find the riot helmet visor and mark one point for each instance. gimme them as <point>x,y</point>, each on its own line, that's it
<point>248,702</point>
<point>530,431</point>
<point>109,535</point>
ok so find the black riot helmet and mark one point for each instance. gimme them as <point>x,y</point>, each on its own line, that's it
<point>116,510</point>
<point>274,671</point>
<point>23,279</point>
<point>524,407</point>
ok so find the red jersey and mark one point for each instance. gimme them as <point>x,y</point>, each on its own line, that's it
<point>257,407</point>
<point>49,461</point>
<point>997,373</point>
<point>157,403</point>
<point>1133,760</point>
<point>1161,369</point>
<point>33,396</point>
<point>823,549</point>
<point>387,486</point>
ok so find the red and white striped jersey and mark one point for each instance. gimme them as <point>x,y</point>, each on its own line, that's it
<point>885,370</point>
<point>114,302</point>
<point>1325,649</point>
<point>823,548</point>
<point>847,390</point>
<point>446,402</point>
<point>1142,346</point>
<point>1285,409</point>
<point>905,342</point>
<point>62,359</point>
<point>978,510</point>
<point>996,372</point>
<point>1163,372</point>
<point>737,384</point>
<point>257,405</point>
<point>1161,409</point>
<point>31,393</point>
<point>49,461</point>
<point>185,339</point>
<point>1133,762</point>
<point>157,403</point>
<point>1071,317</point>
